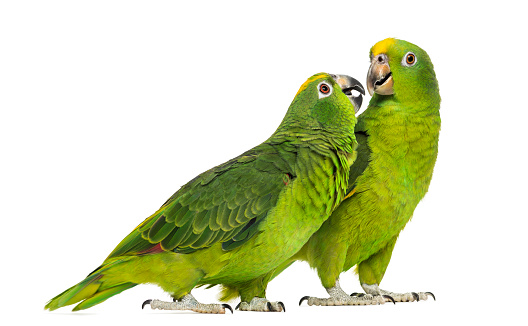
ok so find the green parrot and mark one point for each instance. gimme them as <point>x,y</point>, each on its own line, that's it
<point>240,220</point>
<point>398,145</point>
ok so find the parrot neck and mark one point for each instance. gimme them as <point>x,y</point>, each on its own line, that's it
<point>324,142</point>
<point>337,148</point>
<point>388,111</point>
<point>326,130</point>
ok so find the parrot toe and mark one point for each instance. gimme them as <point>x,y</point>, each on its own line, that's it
<point>409,296</point>
<point>188,302</point>
<point>360,295</point>
<point>397,297</point>
<point>364,300</point>
<point>146,303</point>
<point>339,298</point>
<point>389,298</point>
<point>306,297</point>
<point>261,304</point>
<point>226,306</point>
<point>276,306</point>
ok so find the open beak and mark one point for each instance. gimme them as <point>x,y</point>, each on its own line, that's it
<point>352,89</point>
<point>379,78</point>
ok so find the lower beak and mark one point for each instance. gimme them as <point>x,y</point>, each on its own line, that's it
<point>379,78</point>
<point>352,89</point>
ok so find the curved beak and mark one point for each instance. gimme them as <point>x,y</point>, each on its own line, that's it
<point>379,78</point>
<point>352,89</point>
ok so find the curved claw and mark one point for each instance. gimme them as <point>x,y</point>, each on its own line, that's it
<point>389,297</point>
<point>282,305</point>
<point>270,307</point>
<point>146,303</point>
<point>238,305</point>
<point>226,306</point>
<point>355,294</point>
<point>431,294</point>
<point>416,296</point>
<point>306,297</point>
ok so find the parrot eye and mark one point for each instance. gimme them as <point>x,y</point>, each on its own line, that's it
<point>324,89</point>
<point>409,59</point>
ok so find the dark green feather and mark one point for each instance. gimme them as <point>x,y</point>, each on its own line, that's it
<point>224,204</point>
<point>362,160</point>
<point>160,229</point>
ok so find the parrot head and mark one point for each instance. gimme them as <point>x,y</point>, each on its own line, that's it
<point>325,101</point>
<point>403,70</point>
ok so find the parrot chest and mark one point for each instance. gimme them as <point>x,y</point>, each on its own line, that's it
<point>388,192</point>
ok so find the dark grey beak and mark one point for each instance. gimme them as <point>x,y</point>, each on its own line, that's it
<point>352,89</point>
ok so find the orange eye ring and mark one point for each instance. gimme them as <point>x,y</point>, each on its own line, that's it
<point>410,59</point>
<point>324,88</point>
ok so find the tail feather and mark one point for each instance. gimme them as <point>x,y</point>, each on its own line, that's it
<point>99,297</point>
<point>76,293</point>
<point>93,290</point>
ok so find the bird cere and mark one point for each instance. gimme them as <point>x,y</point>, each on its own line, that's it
<point>327,187</point>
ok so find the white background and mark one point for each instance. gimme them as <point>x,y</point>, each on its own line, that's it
<point>108,107</point>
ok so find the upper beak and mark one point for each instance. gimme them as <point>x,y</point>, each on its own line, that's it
<point>348,86</point>
<point>379,78</point>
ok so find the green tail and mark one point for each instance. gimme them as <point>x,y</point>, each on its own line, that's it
<point>91,291</point>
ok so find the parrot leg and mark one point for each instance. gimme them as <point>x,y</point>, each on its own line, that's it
<point>188,302</point>
<point>261,304</point>
<point>373,289</point>
<point>253,295</point>
<point>371,273</point>
<point>338,297</point>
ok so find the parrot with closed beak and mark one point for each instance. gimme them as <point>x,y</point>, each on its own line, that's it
<point>238,221</point>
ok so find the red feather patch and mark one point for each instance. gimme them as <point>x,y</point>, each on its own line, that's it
<point>154,250</point>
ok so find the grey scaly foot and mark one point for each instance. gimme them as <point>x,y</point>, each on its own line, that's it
<point>261,304</point>
<point>398,297</point>
<point>338,297</point>
<point>188,302</point>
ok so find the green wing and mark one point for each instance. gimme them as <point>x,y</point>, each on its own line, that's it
<point>361,162</point>
<point>225,204</point>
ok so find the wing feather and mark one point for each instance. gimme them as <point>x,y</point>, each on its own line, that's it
<point>225,204</point>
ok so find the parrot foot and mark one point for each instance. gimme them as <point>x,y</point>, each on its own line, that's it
<point>188,302</point>
<point>261,304</point>
<point>338,297</point>
<point>374,289</point>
